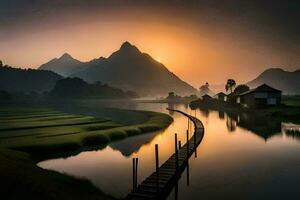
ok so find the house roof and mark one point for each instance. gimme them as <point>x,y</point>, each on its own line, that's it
<point>261,88</point>
<point>221,93</point>
<point>206,96</point>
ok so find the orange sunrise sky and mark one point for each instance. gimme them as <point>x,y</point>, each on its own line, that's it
<point>197,43</point>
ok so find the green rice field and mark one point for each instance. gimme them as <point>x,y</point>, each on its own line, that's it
<point>28,135</point>
<point>40,131</point>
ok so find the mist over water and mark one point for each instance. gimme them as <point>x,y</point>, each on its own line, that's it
<point>235,159</point>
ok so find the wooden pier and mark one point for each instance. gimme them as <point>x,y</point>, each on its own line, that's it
<point>160,183</point>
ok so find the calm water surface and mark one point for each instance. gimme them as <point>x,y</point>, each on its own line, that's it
<point>240,157</point>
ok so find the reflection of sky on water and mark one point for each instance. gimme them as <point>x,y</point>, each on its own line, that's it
<point>233,160</point>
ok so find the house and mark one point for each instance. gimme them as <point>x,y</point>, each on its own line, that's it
<point>206,98</point>
<point>260,97</point>
<point>221,96</point>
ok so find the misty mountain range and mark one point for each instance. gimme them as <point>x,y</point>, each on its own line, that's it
<point>287,82</point>
<point>65,65</point>
<point>128,69</point>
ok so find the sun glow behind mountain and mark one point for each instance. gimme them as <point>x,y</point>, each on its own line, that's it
<point>197,46</point>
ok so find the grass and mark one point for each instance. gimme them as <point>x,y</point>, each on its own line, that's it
<point>41,135</point>
<point>22,179</point>
<point>291,100</point>
<point>28,135</point>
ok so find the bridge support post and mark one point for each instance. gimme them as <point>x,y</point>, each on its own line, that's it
<point>134,173</point>
<point>188,124</point>
<point>176,154</point>
<point>187,143</point>
<point>195,134</point>
<point>157,168</point>
<point>188,174</point>
<point>179,144</point>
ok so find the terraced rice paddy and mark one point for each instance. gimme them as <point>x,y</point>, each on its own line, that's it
<point>44,133</point>
<point>49,131</point>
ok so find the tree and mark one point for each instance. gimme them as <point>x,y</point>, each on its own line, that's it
<point>171,95</point>
<point>5,97</point>
<point>230,85</point>
<point>204,89</point>
<point>1,63</point>
<point>241,89</point>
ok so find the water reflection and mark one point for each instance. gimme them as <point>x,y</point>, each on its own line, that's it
<point>231,124</point>
<point>221,114</point>
<point>129,146</point>
<point>262,126</point>
<point>233,160</point>
<point>291,130</point>
<point>114,175</point>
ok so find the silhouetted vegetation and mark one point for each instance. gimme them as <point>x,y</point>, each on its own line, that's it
<point>241,89</point>
<point>291,100</point>
<point>231,98</point>
<point>172,97</point>
<point>78,88</point>
<point>230,85</point>
<point>5,97</point>
<point>16,80</point>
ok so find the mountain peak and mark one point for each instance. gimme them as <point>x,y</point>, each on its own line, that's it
<point>274,69</point>
<point>126,46</point>
<point>66,56</point>
<point>64,65</point>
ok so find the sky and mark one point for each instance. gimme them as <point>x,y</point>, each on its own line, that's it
<point>199,40</point>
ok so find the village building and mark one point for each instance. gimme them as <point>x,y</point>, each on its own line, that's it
<point>221,96</point>
<point>260,97</point>
<point>206,98</point>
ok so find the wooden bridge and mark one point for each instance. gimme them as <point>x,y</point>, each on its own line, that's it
<point>160,183</point>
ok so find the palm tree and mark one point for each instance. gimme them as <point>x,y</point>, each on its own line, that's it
<point>230,85</point>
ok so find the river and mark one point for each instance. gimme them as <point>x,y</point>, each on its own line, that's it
<point>240,157</point>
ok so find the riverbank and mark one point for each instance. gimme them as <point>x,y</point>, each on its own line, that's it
<point>30,135</point>
<point>282,112</point>
<point>42,133</point>
<point>22,179</point>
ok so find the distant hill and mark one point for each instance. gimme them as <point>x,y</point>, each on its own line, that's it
<point>130,69</point>
<point>78,88</point>
<point>26,80</point>
<point>65,65</point>
<point>288,82</point>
